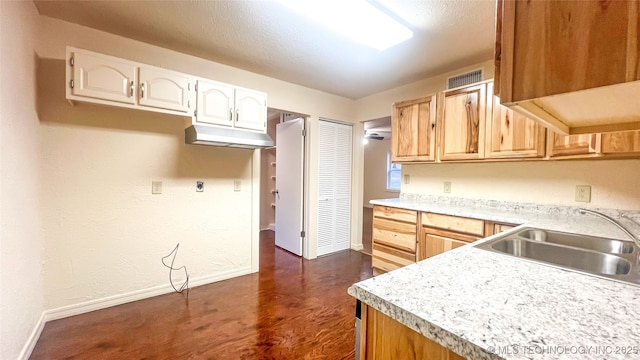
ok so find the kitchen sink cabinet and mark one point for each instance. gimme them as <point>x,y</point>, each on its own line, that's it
<point>557,63</point>
<point>511,134</point>
<point>440,233</point>
<point>383,338</point>
<point>413,136</point>
<point>461,122</point>
<point>394,238</point>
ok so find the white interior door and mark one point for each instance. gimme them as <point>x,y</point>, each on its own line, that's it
<point>289,177</point>
<point>334,187</point>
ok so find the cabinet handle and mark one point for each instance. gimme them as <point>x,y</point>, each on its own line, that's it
<point>230,114</point>
<point>237,114</point>
<point>131,89</point>
<point>142,90</point>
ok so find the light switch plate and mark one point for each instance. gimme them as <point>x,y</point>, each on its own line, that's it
<point>447,187</point>
<point>237,185</point>
<point>583,193</point>
<point>156,187</point>
<point>407,178</point>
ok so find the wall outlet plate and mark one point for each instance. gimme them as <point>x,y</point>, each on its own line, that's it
<point>583,193</point>
<point>447,187</point>
<point>199,186</point>
<point>407,178</point>
<point>156,187</point>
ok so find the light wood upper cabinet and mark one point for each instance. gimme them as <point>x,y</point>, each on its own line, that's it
<point>572,145</point>
<point>251,109</point>
<point>573,65</point>
<point>511,134</point>
<point>413,132</point>
<point>214,104</point>
<point>164,89</point>
<point>621,143</point>
<point>103,77</point>
<point>461,123</point>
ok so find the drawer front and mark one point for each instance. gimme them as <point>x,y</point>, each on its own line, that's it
<point>395,234</point>
<point>385,212</point>
<point>498,228</point>
<point>387,259</point>
<point>454,223</point>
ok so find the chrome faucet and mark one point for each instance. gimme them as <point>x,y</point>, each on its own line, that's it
<point>615,222</point>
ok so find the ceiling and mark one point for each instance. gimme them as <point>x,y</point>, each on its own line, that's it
<point>267,38</point>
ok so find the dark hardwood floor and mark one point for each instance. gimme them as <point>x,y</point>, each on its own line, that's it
<point>291,309</point>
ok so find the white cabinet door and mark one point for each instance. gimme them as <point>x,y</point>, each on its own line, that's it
<point>214,104</point>
<point>164,89</point>
<point>251,110</point>
<point>103,77</point>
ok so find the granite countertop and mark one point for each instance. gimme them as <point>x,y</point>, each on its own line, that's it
<point>485,305</point>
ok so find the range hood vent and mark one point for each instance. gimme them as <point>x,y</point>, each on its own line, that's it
<point>219,136</point>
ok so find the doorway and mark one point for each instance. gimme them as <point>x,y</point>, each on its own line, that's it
<point>282,206</point>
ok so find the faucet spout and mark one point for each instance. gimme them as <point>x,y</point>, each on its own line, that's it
<point>615,222</point>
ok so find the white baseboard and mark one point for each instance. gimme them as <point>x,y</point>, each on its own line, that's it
<point>357,247</point>
<point>33,339</point>
<point>98,304</point>
<point>271,227</point>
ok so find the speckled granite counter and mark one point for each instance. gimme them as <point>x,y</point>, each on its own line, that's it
<point>484,305</point>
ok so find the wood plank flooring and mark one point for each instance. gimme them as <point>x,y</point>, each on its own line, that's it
<point>291,309</point>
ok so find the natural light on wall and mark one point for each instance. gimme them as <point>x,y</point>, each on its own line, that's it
<point>356,19</point>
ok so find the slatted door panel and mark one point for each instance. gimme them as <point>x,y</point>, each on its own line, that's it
<point>334,187</point>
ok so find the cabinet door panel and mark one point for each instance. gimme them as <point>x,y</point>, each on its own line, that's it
<point>251,110</point>
<point>624,142</point>
<point>435,244</point>
<point>413,130</point>
<point>163,89</point>
<point>103,78</point>
<point>214,104</point>
<point>513,135</point>
<point>454,223</point>
<point>462,123</point>
<point>567,145</point>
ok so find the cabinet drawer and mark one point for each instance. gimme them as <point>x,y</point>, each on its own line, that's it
<point>396,234</point>
<point>386,258</point>
<point>454,223</point>
<point>498,228</point>
<point>408,216</point>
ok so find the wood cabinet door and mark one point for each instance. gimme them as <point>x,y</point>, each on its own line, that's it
<point>164,89</point>
<point>413,129</point>
<point>621,143</point>
<point>571,145</point>
<point>103,77</point>
<point>251,110</point>
<point>214,104</point>
<point>436,244</point>
<point>511,134</point>
<point>461,123</point>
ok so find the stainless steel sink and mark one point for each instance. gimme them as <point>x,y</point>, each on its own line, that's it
<point>608,258</point>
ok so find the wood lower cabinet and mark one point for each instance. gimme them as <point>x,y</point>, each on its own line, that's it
<point>440,233</point>
<point>461,123</point>
<point>413,135</point>
<point>394,238</point>
<point>383,338</point>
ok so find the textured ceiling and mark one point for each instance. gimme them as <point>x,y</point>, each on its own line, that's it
<point>266,38</point>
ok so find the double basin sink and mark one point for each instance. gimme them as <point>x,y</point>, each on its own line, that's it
<point>603,257</point>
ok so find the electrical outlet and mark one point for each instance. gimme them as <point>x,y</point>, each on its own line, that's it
<point>447,187</point>
<point>236,185</point>
<point>407,178</point>
<point>199,186</point>
<point>156,187</point>
<point>583,193</point>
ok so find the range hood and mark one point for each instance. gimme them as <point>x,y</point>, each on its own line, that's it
<point>219,136</point>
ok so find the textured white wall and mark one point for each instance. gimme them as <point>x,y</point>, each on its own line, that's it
<point>375,171</point>
<point>21,241</point>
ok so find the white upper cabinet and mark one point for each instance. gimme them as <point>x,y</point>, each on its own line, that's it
<point>251,109</point>
<point>164,89</point>
<point>215,103</point>
<point>226,105</point>
<point>103,77</point>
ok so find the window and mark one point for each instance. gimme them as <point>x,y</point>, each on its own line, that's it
<point>394,174</point>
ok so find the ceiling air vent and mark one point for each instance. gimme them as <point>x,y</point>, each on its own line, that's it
<point>464,79</point>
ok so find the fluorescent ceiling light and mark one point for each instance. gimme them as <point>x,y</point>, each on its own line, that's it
<point>356,19</point>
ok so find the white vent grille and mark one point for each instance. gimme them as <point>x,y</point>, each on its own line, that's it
<point>464,79</point>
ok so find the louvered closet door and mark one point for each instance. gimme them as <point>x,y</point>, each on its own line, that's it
<point>334,187</point>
